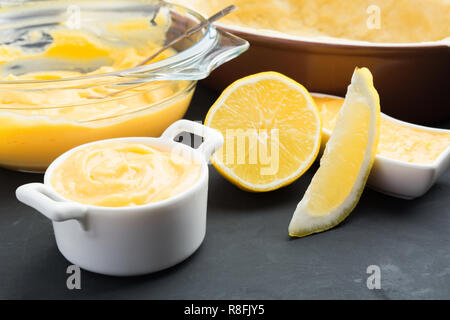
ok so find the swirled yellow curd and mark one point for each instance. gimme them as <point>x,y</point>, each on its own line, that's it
<point>38,122</point>
<point>397,141</point>
<point>113,174</point>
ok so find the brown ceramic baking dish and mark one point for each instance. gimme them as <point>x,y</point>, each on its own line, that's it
<point>412,78</point>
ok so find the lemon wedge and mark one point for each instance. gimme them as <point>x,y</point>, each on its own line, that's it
<point>272,131</point>
<point>344,168</point>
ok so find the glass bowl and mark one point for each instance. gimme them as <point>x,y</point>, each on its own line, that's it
<point>78,98</point>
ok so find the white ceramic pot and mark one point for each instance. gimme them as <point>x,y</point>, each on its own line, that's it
<point>126,241</point>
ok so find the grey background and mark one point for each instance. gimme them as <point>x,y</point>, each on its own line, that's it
<point>247,253</point>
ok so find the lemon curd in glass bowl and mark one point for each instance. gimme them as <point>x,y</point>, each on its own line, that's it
<point>38,124</point>
<point>70,73</point>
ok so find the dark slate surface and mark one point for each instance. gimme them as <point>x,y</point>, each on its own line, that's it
<point>247,253</point>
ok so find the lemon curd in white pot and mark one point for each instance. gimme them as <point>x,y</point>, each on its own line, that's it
<point>399,21</point>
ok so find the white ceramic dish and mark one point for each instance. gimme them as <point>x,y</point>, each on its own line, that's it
<point>399,178</point>
<point>128,241</point>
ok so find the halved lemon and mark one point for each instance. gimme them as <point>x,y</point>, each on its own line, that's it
<point>344,168</point>
<point>272,131</point>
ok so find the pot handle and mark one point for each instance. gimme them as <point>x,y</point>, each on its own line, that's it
<point>212,139</point>
<point>42,198</point>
